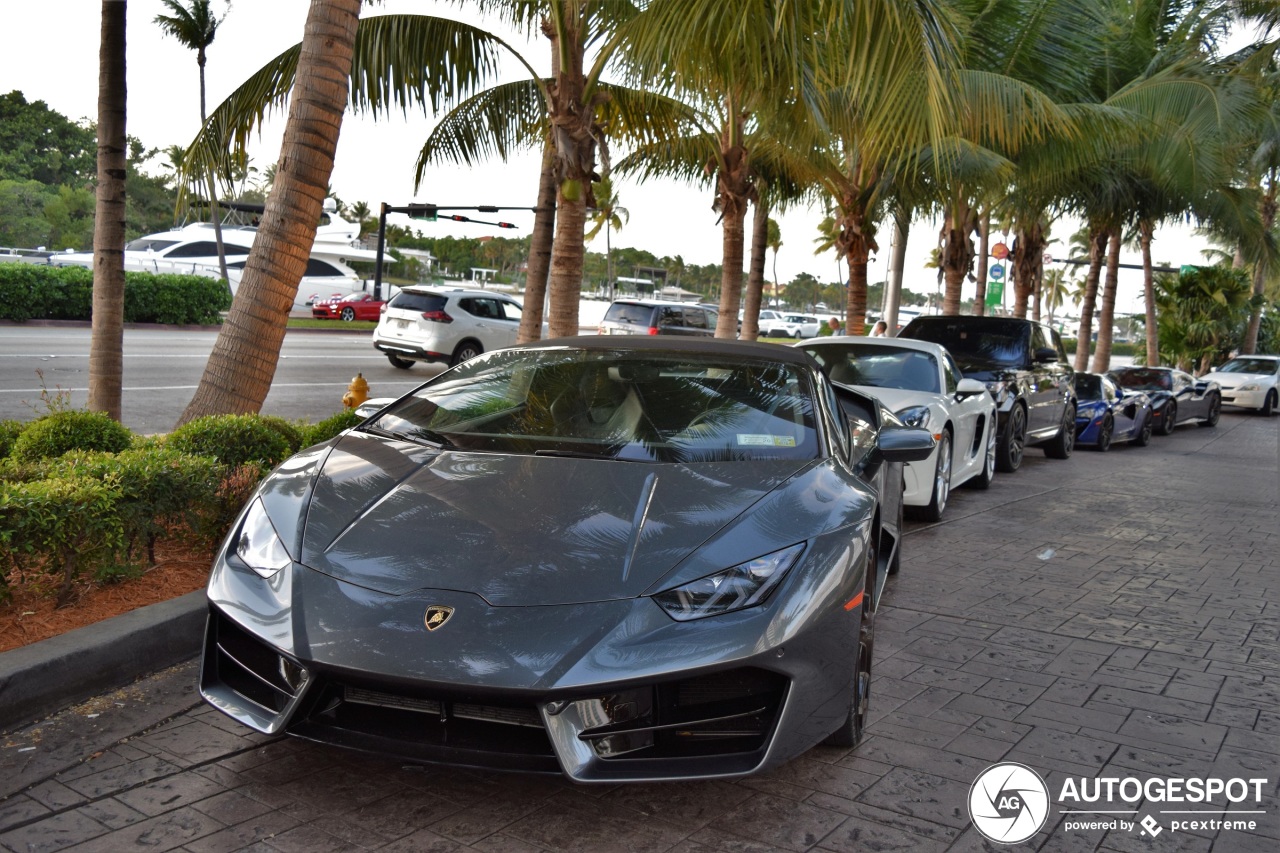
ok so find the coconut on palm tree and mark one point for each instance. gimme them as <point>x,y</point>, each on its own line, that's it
<point>609,216</point>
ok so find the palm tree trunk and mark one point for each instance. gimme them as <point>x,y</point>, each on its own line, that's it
<point>1097,250</point>
<point>984,238</point>
<point>897,264</point>
<point>106,345</point>
<point>1269,210</point>
<point>856,308</point>
<point>1145,231</point>
<point>755,275</point>
<point>1106,317</point>
<point>243,363</point>
<point>732,250</point>
<point>544,224</point>
<point>566,266</point>
<point>957,254</point>
<point>213,189</point>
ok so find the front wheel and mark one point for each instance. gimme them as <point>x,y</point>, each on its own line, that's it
<point>941,481</point>
<point>1268,405</point>
<point>348,314</point>
<point>988,473</point>
<point>1106,430</point>
<point>466,350</point>
<point>1215,412</point>
<point>1012,442</point>
<point>1143,438</point>
<point>1061,445</point>
<point>1170,419</point>
<point>854,726</point>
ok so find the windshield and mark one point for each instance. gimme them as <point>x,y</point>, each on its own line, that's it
<point>635,406</point>
<point>1138,379</point>
<point>1088,386</point>
<point>877,366</point>
<point>976,342</point>
<point>1264,366</point>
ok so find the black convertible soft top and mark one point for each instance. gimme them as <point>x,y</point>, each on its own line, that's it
<point>678,344</point>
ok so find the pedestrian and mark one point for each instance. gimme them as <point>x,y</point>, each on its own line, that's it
<point>879,329</point>
<point>834,323</point>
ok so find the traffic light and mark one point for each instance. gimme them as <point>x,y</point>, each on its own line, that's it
<point>422,211</point>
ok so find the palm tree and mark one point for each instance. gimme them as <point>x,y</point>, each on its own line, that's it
<point>773,240</point>
<point>238,374</point>
<point>1057,287</point>
<point>1201,312</point>
<point>195,26</point>
<point>610,216</point>
<point>106,345</point>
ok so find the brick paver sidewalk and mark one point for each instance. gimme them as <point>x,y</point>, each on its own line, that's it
<point>1115,615</point>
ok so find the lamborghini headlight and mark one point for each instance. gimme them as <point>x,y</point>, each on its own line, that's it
<point>916,416</point>
<point>258,544</point>
<point>744,585</point>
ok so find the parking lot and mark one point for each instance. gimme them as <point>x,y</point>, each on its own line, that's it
<point>1114,615</point>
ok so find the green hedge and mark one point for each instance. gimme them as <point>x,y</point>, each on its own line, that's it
<point>36,292</point>
<point>57,433</point>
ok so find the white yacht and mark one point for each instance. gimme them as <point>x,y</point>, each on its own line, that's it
<point>192,250</point>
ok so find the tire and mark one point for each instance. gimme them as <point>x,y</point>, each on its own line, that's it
<point>1106,430</point>
<point>941,482</point>
<point>1013,441</point>
<point>852,729</point>
<point>1143,438</point>
<point>988,473</point>
<point>466,350</point>
<point>1268,405</point>
<point>1170,419</point>
<point>1215,412</point>
<point>1061,445</point>
<point>399,363</point>
<point>348,314</point>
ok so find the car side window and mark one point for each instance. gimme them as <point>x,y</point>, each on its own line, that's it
<point>695,318</point>
<point>509,311</point>
<point>1038,339</point>
<point>1108,390</point>
<point>837,422</point>
<point>669,316</point>
<point>1057,344</point>
<point>951,374</point>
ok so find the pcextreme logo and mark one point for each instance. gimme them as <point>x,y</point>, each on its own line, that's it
<point>1009,803</point>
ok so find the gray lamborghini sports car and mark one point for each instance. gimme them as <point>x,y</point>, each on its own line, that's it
<point>640,559</point>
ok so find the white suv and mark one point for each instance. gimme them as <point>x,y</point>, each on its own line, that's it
<point>790,326</point>
<point>450,325</point>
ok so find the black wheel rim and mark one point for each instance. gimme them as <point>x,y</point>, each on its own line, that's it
<point>1017,436</point>
<point>1104,434</point>
<point>861,691</point>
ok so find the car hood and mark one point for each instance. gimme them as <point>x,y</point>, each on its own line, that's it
<point>986,372</point>
<point>516,530</point>
<point>1235,380</point>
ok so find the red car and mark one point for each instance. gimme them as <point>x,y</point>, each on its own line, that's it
<point>353,306</point>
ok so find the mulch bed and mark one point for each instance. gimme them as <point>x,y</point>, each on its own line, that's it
<point>32,615</point>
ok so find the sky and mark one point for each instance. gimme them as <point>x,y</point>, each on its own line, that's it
<point>51,54</point>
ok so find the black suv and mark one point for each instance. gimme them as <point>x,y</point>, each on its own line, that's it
<point>1024,367</point>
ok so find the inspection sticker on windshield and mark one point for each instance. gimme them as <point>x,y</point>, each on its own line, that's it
<point>755,440</point>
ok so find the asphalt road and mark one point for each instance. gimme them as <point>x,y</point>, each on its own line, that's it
<point>162,368</point>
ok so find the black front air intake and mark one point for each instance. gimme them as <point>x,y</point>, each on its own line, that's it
<point>256,672</point>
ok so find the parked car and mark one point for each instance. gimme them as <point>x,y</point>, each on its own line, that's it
<point>921,383</point>
<point>657,317</point>
<point>353,306</point>
<point>1023,365</point>
<point>1249,382</point>
<point>1107,413</point>
<point>791,326</point>
<point>626,559</point>
<point>441,324</point>
<point>1176,397</point>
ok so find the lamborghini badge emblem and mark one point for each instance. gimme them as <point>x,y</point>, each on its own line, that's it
<point>437,615</point>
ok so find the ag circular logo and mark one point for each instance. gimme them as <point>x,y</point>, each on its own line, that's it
<point>1008,803</point>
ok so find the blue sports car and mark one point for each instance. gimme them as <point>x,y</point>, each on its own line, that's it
<point>1108,413</point>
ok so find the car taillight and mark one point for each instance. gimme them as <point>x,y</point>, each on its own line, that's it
<point>653,330</point>
<point>437,316</point>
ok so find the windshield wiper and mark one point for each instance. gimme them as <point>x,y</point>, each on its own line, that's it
<point>418,436</point>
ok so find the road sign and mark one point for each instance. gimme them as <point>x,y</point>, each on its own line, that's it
<point>999,251</point>
<point>996,272</point>
<point>995,293</point>
<point>1186,269</point>
<point>1048,257</point>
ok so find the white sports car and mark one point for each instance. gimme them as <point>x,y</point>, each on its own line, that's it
<point>921,383</point>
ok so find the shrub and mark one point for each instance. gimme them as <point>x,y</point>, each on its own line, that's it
<point>233,493</point>
<point>293,433</point>
<point>231,439</point>
<point>31,291</point>
<point>9,432</point>
<point>55,434</point>
<point>331,426</point>
<point>159,489</point>
<point>64,525</point>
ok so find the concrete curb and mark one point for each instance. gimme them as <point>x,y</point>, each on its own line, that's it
<point>49,675</point>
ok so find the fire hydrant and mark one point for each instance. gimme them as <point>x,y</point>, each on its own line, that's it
<point>357,392</point>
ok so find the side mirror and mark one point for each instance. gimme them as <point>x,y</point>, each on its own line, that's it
<point>1045,354</point>
<point>905,444</point>
<point>969,387</point>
